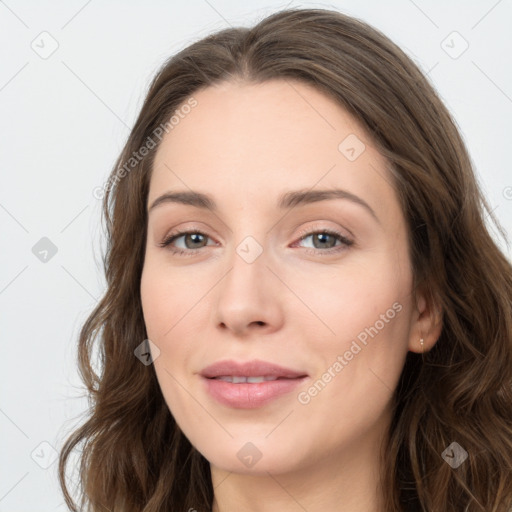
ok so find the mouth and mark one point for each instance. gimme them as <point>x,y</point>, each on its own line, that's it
<point>250,369</point>
<point>234,379</point>
<point>251,392</point>
<point>250,384</point>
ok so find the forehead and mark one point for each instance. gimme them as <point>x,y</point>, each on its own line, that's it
<point>250,142</point>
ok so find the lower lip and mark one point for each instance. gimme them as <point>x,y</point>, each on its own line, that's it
<point>250,396</point>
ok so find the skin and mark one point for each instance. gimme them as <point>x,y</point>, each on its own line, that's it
<point>245,145</point>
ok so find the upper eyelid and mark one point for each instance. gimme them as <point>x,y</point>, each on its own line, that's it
<point>302,232</point>
<point>178,234</point>
<point>334,231</point>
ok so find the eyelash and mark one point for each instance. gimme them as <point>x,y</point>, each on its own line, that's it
<point>191,252</point>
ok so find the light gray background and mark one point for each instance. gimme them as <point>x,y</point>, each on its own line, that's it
<point>63,121</point>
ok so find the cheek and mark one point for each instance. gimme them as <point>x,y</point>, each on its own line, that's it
<point>155,299</point>
<point>352,296</point>
<point>167,296</point>
<point>364,307</point>
<point>360,364</point>
<point>175,305</point>
<point>166,306</point>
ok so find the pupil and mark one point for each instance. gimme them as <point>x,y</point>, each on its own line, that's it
<point>196,237</point>
<point>321,237</point>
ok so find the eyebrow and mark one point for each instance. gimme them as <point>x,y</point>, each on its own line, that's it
<point>287,200</point>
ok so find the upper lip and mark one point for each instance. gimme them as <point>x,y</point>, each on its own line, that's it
<point>255,368</point>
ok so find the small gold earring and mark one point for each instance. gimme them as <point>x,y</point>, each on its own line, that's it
<point>421,341</point>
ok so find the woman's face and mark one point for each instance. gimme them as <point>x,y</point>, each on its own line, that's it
<point>258,278</point>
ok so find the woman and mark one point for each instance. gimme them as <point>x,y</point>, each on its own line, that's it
<point>305,310</point>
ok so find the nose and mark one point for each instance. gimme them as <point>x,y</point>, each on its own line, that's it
<point>249,299</point>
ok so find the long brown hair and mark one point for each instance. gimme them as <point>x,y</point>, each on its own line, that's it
<point>135,458</point>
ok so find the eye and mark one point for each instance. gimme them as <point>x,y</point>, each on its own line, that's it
<point>193,241</point>
<point>324,241</point>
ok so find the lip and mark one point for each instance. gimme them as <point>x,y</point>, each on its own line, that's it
<point>253,368</point>
<point>247,395</point>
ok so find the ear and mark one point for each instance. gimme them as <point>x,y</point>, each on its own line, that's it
<point>427,323</point>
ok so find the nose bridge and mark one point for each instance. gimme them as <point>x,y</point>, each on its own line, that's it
<point>246,296</point>
<point>249,243</point>
<point>247,262</point>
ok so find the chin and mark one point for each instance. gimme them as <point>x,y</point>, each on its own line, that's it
<point>251,457</point>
